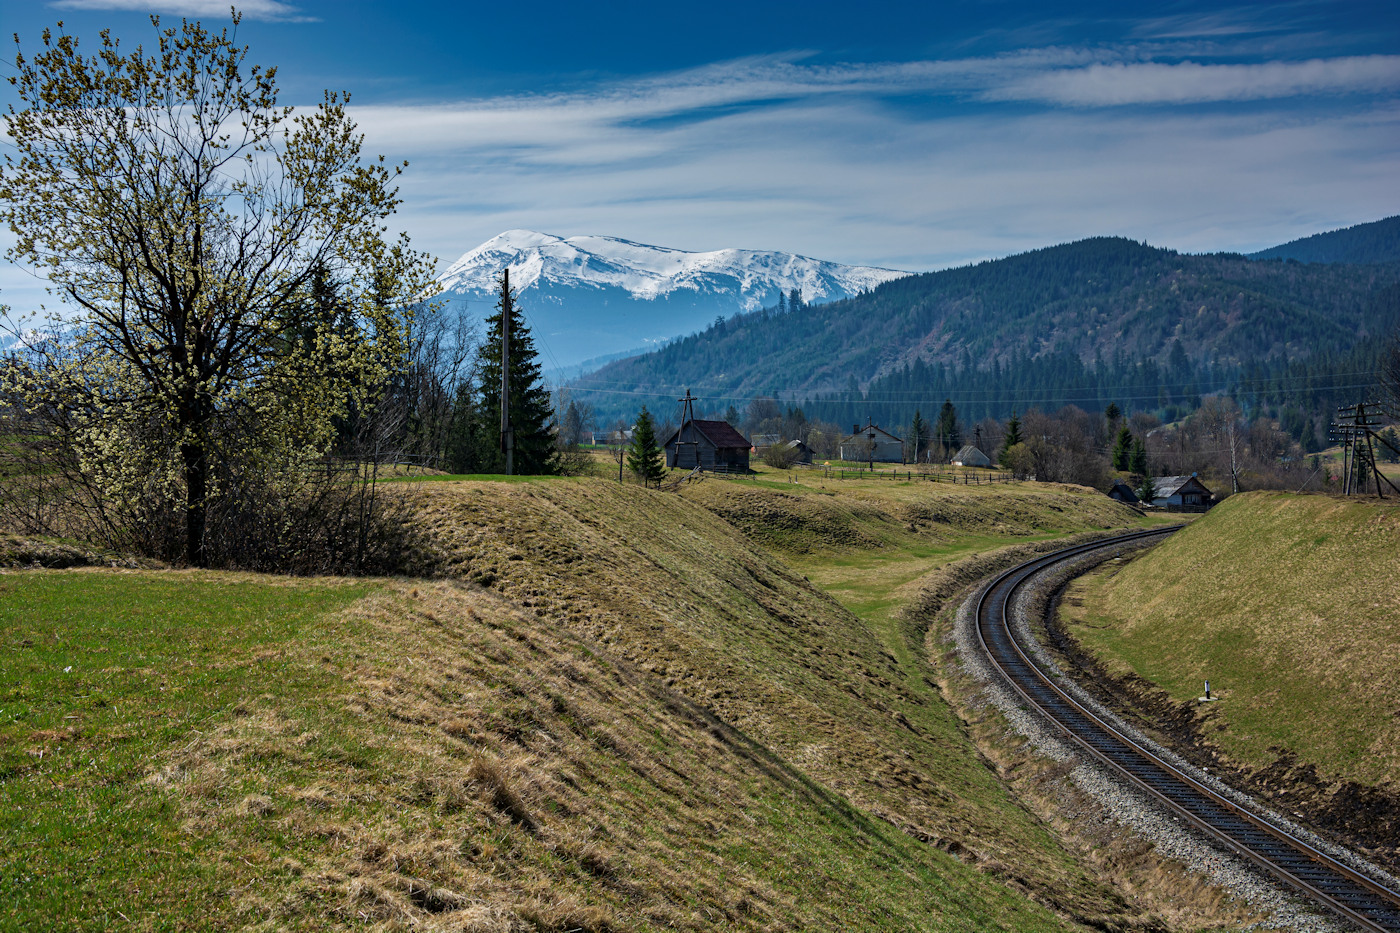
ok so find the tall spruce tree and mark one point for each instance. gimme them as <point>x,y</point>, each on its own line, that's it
<point>918,434</point>
<point>948,430</point>
<point>644,457</point>
<point>1009,440</point>
<point>1123,449</point>
<point>1137,459</point>
<point>530,409</point>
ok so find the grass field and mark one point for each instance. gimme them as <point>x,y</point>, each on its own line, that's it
<point>611,710</point>
<point>1290,606</point>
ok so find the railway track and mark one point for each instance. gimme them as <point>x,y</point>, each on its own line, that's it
<point>1286,857</point>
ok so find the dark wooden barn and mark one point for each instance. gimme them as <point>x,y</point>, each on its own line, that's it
<point>715,444</point>
<point>1123,492</point>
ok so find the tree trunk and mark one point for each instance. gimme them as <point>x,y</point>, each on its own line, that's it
<point>196,491</point>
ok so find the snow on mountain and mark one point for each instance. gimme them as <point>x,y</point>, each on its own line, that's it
<point>588,297</point>
<point>753,277</point>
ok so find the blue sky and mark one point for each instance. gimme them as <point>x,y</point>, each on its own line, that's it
<point>907,135</point>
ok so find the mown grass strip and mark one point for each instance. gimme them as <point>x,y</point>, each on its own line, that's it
<point>102,673</point>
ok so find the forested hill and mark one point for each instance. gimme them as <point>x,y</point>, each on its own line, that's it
<point>1373,242</point>
<point>1103,298</point>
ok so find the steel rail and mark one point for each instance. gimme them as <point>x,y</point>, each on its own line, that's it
<point>1280,853</point>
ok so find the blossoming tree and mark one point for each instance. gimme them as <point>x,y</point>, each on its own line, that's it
<point>191,223</point>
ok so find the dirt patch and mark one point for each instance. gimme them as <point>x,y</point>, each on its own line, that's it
<point>21,551</point>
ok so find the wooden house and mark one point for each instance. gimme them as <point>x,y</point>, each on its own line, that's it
<point>1123,493</point>
<point>1180,493</point>
<point>712,445</point>
<point>970,456</point>
<point>762,442</point>
<point>857,446</point>
<point>800,452</point>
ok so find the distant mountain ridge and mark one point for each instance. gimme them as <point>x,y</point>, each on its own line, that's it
<point>1105,298</point>
<point>1374,242</point>
<point>590,296</point>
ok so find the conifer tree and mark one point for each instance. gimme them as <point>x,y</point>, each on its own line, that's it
<point>1137,460</point>
<point>1123,449</point>
<point>1012,438</point>
<point>918,434</point>
<point>530,409</point>
<point>1147,490</point>
<point>948,431</point>
<point>644,457</point>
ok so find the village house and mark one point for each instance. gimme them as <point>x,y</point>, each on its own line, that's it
<point>970,456</point>
<point>799,451</point>
<point>1123,493</point>
<point>872,443</point>
<point>712,445</point>
<point>1180,494</point>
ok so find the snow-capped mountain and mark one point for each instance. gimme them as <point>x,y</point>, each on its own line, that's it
<point>588,296</point>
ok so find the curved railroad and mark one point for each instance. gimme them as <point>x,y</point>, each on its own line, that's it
<point>1290,859</point>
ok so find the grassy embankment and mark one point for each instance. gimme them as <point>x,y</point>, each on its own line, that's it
<point>612,711</point>
<point>1290,605</point>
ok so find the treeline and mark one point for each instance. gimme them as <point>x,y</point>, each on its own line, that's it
<point>1103,299</point>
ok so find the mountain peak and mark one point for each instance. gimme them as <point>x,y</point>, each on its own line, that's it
<point>648,272</point>
<point>578,288</point>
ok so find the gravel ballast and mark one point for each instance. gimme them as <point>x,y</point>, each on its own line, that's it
<point>1122,802</point>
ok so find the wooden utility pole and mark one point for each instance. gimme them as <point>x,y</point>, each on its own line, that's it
<point>507,434</point>
<point>687,417</point>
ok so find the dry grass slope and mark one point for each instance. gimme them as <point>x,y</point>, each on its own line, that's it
<point>1290,606</point>
<point>610,710</point>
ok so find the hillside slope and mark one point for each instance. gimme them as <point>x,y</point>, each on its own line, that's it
<point>1290,606</point>
<point>1367,243</point>
<point>1103,297</point>
<point>612,712</point>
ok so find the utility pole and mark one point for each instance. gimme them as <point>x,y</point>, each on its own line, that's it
<point>870,425</point>
<point>687,417</point>
<point>507,433</point>
<point>1355,427</point>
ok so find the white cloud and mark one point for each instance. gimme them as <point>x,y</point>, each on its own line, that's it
<point>272,10</point>
<point>1119,83</point>
<point>840,173</point>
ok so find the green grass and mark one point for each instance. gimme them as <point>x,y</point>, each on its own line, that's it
<point>639,719</point>
<point>299,756</point>
<point>1290,606</point>
<point>102,674</point>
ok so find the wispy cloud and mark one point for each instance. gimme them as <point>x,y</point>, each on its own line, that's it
<point>270,10</point>
<point>893,164</point>
<point>1119,83</point>
<point>1220,24</point>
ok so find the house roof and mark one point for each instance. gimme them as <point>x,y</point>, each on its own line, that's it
<point>719,433</point>
<point>1165,486</point>
<point>795,445</point>
<point>1124,491</point>
<point>971,454</point>
<point>767,440</point>
<point>864,435</point>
